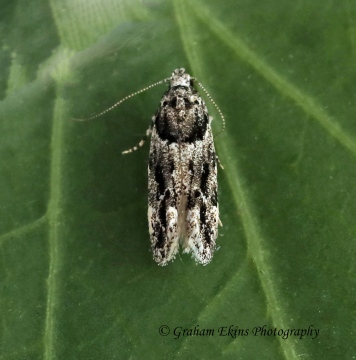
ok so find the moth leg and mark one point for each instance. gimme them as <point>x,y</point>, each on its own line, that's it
<point>220,164</point>
<point>142,141</point>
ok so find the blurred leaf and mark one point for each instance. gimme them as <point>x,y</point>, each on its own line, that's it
<point>77,277</point>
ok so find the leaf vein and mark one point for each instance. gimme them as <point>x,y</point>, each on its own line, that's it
<point>54,210</point>
<point>23,229</point>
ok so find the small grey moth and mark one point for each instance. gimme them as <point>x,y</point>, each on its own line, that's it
<point>183,207</point>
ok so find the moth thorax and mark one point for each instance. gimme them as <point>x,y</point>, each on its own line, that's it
<point>180,78</point>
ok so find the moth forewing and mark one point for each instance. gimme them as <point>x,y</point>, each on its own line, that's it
<point>182,173</point>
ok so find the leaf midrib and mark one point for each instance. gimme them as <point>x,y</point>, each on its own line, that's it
<point>54,211</point>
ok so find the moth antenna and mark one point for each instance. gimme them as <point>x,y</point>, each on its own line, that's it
<point>214,103</point>
<point>122,100</point>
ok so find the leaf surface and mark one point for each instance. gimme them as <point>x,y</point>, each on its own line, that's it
<point>77,276</point>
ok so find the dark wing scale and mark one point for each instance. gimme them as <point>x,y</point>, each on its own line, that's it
<point>162,200</point>
<point>203,211</point>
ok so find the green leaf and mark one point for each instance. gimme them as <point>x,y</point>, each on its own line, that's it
<point>77,278</point>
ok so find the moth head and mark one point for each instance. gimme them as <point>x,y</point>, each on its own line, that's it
<point>180,78</point>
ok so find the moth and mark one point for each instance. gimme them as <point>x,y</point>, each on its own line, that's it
<point>183,207</point>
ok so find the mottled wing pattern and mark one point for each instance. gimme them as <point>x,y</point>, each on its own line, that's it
<point>163,199</point>
<point>182,175</point>
<point>202,209</point>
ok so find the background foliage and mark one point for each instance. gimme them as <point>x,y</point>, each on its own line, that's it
<point>77,280</point>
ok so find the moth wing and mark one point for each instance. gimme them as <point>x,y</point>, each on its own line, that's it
<point>162,200</point>
<point>202,207</point>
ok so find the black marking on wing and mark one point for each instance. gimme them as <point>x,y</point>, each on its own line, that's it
<point>161,225</point>
<point>204,178</point>
<point>164,128</point>
<point>173,102</point>
<point>160,180</point>
<point>199,128</point>
<point>204,224</point>
<point>160,238</point>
